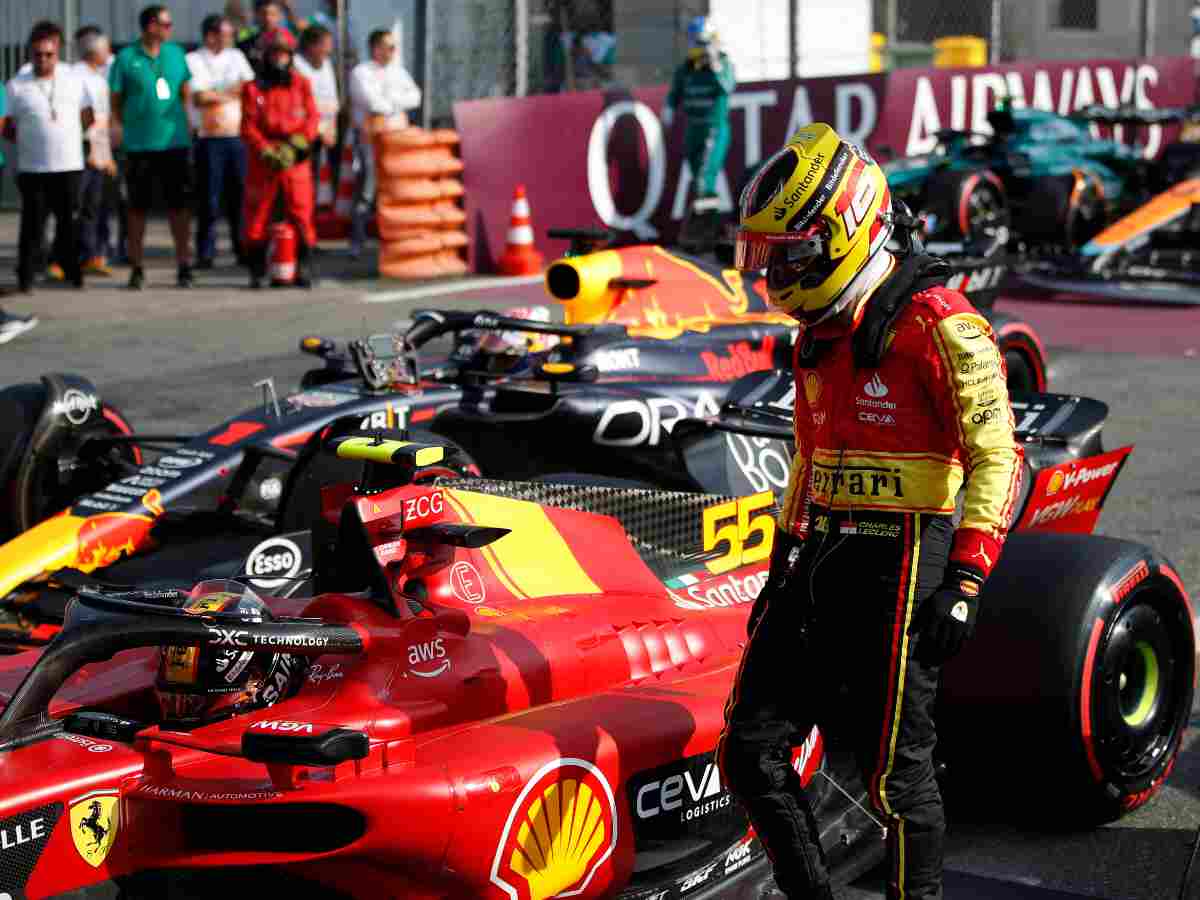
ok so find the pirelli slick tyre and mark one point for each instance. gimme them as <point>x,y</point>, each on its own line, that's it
<point>1064,209</point>
<point>1024,358</point>
<point>1069,705</point>
<point>967,205</point>
<point>46,460</point>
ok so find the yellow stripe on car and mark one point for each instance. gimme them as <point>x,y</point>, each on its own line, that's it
<point>534,560</point>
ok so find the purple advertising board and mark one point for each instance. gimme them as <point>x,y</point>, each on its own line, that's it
<point>604,157</point>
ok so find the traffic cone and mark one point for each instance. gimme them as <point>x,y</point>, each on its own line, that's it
<point>520,257</point>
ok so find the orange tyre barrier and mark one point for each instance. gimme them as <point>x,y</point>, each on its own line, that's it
<point>427,244</point>
<point>422,229</point>
<point>451,188</point>
<point>412,268</point>
<point>410,190</point>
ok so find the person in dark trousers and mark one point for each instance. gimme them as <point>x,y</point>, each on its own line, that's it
<point>218,73</point>
<point>11,325</point>
<point>97,189</point>
<point>150,96</point>
<point>49,108</point>
<point>874,582</point>
<point>279,125</point>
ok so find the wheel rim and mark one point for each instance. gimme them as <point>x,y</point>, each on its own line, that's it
<point>1137,685</point>
<point>984,212</point>
<point>1142,682</point>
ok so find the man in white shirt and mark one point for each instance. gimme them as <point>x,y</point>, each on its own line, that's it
<point>218,73</point>
<point>49,108</point>
<point>98,182</point>
<point>314,63</point>
<point>381,93</point>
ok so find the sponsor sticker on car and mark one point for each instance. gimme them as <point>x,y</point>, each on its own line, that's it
<point>1068,497</point>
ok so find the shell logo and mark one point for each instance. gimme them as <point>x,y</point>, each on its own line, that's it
<point>1054,485</point>
<point>812,388</point>
<point>560,831</point>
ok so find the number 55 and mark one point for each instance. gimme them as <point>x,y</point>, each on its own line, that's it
<point>736,534</point>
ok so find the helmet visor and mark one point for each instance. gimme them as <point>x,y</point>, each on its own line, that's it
<point>794,250</point>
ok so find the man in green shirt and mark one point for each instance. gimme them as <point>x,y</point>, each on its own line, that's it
<point>703,85</point>
<point>150,97</point>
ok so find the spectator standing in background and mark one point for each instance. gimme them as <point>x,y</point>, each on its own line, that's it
<point>98,184</point>
<point>235,12</point>
<point>702,86</point>
<point>10,325</point>
<point>269,16</point>
<point>326,16</point>
<point>218,73</point>
<point>381,93</point>
<point>49,108</point>
<point>150,95</point>
<point>314,63</point>
<point>279,126</point>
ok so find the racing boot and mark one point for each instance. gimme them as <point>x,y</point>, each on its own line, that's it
<point>303,278</point>
<point>256,261</point>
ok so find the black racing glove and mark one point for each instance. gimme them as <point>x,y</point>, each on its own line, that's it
<point>785,554</point>
<point>946,621</point>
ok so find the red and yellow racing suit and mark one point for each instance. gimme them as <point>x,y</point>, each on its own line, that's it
<point>904,436</point>
<point>271,114</point>
<point>881,456</point>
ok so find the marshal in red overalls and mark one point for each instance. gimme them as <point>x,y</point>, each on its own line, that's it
<point>279,123</point>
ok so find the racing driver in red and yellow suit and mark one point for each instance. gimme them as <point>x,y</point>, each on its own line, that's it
<point>279,124</point>
<point>875,579</point>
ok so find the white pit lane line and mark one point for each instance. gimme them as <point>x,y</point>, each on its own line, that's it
<point>458,286</point>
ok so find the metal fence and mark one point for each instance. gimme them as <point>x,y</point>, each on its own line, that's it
<point>483,48</point>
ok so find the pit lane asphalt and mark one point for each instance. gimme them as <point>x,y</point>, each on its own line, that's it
<point>182,360</point>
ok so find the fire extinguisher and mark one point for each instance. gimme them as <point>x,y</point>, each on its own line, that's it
<point>283,253</point>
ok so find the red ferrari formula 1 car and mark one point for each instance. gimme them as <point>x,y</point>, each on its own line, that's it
<point>512,690</point>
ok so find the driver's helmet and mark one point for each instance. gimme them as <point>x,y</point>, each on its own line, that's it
<point>815,216</point>
<point>700,32</point>
<point>1001,118</point>
<point>506,352</point>
<point>202,684</point>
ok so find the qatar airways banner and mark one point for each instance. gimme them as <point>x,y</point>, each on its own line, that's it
<point>599,157</point>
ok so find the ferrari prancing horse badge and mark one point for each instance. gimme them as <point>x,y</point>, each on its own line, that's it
<point>94,825</point>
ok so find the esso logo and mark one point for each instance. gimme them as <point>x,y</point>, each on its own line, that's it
<point>424,507</point>
<point>274,562</point>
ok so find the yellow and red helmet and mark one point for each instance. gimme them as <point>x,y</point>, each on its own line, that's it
<point>814,216</point>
